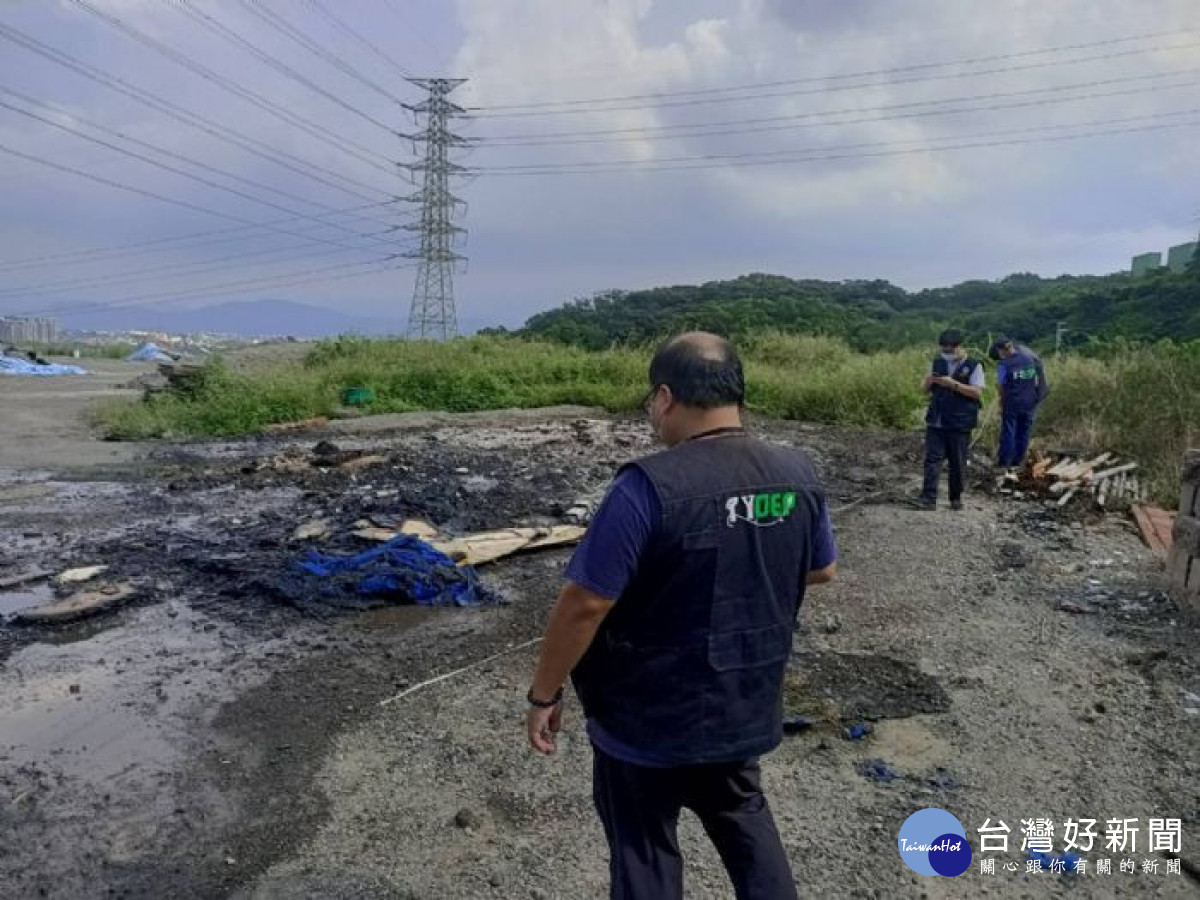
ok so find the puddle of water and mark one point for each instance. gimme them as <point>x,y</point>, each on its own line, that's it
<point>32,595</point>
<point>101,701</point>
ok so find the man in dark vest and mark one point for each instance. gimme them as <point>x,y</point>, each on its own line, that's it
<point>676,626</point>
<point>1022,382</point>
<point>955,386</point>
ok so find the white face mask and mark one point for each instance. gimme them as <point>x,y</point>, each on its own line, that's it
<point>950,357</point>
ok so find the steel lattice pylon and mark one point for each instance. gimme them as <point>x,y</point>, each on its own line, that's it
<point>432,315</point>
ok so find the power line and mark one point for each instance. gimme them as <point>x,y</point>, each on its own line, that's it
<point>713,129</point>
<point>357,38</point>
<point>278,23</point>
<point>104,254</point>
<point>221,30</point>
<point>183,174</point>
<point>711,161</point>
<point>346,145</point>
<point>897,70</point>
<point>589,107</point>
<point>176,270</point>
<point>414,28</point>
<point>171,154</point>
<point>308,276</point>
<point>192,119</point>
<point>184,204</point>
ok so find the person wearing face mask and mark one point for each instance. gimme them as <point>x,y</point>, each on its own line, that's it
<point>676,625</point>
<point>955,386</point>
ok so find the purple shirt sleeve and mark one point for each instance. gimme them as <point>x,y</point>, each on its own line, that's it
<point>607,558</point>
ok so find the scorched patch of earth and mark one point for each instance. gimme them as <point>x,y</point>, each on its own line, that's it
<point>209,740</point>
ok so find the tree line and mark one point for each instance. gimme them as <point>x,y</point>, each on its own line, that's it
<point>878,315</point>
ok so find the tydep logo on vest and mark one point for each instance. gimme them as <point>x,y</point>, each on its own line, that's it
<point>933,842</point>
<point>760,510</point>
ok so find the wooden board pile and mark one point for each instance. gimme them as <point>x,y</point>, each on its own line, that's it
<point>1062,478</point>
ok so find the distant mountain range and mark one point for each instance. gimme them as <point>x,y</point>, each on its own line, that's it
<point>248,318</point>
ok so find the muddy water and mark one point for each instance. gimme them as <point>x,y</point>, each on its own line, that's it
<point>23,598</point>
<point>113,695</point>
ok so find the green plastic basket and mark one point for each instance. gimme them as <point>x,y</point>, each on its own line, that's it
<point>358,396</point>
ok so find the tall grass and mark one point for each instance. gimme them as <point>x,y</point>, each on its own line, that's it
<point>1139,402</point>
<point>788,376</point>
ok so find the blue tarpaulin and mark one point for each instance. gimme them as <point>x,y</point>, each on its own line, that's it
<point>405,569</point>
<point>11,365</point>
<point>149,352</point>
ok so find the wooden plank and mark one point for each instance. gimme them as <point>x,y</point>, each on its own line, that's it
<point>1083,467</point>
<point>1065,499</point>
<point>418,528</point>
<point>1057,470</point>
<point>1164,526</point>
<point>1152,521</point>
<point>1115,470</point>
<point>488,546</point>
<point>1145,526</point>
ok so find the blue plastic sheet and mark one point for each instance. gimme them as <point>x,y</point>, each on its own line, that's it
<point>149,352</point>
<point>11,365</point>
<point>405,569</point>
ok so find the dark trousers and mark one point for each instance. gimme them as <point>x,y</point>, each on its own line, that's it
<point>943,445</point>
<point>640,808</point>
<point>1016,428</point>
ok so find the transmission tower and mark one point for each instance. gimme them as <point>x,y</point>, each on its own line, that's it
<point>432,315</point>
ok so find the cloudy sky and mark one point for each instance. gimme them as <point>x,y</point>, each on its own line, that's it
<point>190,152</point>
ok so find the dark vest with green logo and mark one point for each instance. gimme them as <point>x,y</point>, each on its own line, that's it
<point>689,664</point>
<point>947,409</point>
<point>1025,386</point>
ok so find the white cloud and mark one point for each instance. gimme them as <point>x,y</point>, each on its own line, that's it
<point>537,241</point>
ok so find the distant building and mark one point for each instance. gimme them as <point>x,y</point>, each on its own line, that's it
<point>1145,263</point>
<point>25,330</point>
<point>1179,256</point>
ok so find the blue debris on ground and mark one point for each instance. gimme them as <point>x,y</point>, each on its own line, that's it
<point>11,365</point>
<point>857,731</point>
<point>944,780</point>
<point>876,770</point>
<point>405,570</point>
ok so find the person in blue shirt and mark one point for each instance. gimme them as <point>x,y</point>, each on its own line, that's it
<point>676,626</point>
<point>1023,387</point>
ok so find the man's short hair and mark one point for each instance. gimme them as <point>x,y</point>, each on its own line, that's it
<point>702,370</point>
<point>951,337</point>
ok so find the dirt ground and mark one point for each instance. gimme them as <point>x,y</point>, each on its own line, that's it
<point>222,735</point>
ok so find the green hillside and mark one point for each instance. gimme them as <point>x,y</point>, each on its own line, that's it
<point>875,315</point>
